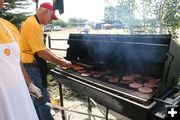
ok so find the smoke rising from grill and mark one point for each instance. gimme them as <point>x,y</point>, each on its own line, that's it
<point>143,54</point>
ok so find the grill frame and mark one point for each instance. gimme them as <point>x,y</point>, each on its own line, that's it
<point>105,98</point>
<point>115,89</point>
<point>133,110</point>
<point>146,112</point>
<point>126,53</point>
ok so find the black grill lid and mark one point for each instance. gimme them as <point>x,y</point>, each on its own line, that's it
<point>144,54</point>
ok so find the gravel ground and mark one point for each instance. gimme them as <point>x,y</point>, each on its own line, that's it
<point>76,104</point>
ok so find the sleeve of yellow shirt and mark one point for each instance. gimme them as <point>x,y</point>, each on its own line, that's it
<point>32,36</point>
<point>35,37</point>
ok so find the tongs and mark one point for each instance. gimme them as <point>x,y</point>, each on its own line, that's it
<point>82,64</point>
<point>35,96</point>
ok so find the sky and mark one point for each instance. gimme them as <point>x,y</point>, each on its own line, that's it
<point>93,10</point>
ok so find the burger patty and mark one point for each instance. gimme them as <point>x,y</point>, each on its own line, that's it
<point>86,74</point>
<point>113,79</point>
<point>82,71</point>
<point>97,75</point>
<point>150,85</point>
<point>135,75</point>
<point>128,78</point>
<point>145,90</point>
<point>154,81</point>
<point>135,85</point>
<point>94,72</point>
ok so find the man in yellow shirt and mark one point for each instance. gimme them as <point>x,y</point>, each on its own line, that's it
<point>15,101</point>
<point>32,44</point>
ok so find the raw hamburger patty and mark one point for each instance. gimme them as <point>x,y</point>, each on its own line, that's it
<point>135,85</point>
<point>154,81</point>
<point>86,74</point>
<point>73,66</point>
<point>82,71</point>
<point>78,68</point>
<point>150,85</point>
<point>125,81</point>
<point>113,79</point>
<point>136,75</point>
<point>128,78</point>
<point>97,75</point>
<point>145,90</point>
<point>94,72</point>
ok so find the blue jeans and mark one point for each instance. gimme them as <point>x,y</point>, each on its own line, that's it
<point>43,111</point>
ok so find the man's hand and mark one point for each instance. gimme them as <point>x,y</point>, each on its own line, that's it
<point>65,63</point>
<point>34,90</point>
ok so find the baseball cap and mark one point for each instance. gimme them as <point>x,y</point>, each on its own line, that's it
<point>50,7</point>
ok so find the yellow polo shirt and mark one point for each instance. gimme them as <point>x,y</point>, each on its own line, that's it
<point>4,35</point>
<point>31,39</point>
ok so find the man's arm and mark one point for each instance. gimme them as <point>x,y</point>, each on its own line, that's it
<point>49,56</point>
<point>26,76</point>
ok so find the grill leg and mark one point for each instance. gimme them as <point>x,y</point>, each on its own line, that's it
<point>107,110</point>
<point>89,105</point>
<point>61,101</point>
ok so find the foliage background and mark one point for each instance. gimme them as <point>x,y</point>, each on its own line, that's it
<point>162,14</point>
<point>15,5</point>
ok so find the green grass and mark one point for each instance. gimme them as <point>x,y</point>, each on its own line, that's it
<point>49,78</point>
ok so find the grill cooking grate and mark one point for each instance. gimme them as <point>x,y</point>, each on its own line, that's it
<point>118,87</point>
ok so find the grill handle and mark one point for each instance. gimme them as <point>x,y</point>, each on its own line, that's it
<point>173,100</point>
<point>170,59</point>
<point>162,101</point>
<point>82,64</point>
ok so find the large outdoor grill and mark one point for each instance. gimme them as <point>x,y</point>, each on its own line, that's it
<point>104,66</point>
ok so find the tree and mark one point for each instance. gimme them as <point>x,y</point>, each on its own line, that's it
<point>166,12</point>
<point>171,16</point>
<point>162,14</point>
<point>109,15</point>
<point>125,13</point>
<point>74,22</point>
<point>15,17</point>
<point>146,7</point>
<point>60,23</point>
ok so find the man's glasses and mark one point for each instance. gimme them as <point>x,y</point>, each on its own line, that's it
<point>51,14</point>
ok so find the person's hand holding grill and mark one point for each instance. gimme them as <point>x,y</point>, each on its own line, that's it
<point>65,63</point>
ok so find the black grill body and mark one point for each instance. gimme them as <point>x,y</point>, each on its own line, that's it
<point>151,55</point>
<point>145,54</point>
